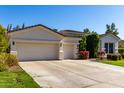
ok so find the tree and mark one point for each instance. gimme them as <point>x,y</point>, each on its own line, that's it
<point>82,43</point>
<point>16,28</point>
<point>89,42</point>
<point>92,44</point>
<point>3,39</point>
<point>86,31</point>
<point>23,26</point>
<point>9,27</point>
<point>111,29</point>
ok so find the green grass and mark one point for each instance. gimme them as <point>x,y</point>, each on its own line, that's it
<point>117,63</point>
<point>16,79</point>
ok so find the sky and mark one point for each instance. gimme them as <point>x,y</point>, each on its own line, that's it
<point>65,17</point>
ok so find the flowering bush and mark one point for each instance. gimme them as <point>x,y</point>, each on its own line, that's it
<point>84,54</point>
<point>101,54</point>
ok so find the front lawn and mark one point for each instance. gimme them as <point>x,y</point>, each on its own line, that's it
<point>16,78</point>
<point>117,63</point>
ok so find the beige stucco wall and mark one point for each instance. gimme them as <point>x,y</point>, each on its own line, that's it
<point>36,33</point>
<point>71,40</point>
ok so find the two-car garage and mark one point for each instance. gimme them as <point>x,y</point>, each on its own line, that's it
<point>37,51</point>
<point>42,51</point>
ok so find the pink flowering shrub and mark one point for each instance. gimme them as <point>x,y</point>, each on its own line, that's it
<point>84,54</point>
<point>101,54</point>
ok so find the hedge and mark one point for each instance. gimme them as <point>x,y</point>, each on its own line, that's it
<point>121,51</point>
<point>114,57</point>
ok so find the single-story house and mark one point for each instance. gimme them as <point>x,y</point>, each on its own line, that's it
<point>109,43</point>
<point>39,42</point>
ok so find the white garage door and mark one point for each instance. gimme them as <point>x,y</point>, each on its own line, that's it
<point>68,51</point>
<point>36,51</point>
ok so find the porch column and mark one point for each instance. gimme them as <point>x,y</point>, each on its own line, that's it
<point>116,47</point>
<point>61,52</point>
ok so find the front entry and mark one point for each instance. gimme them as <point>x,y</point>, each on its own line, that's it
<point>109,47</point>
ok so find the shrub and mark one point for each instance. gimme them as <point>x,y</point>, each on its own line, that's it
<point>3,66</point>
<point>11,60</point>
<point>122,56</point>
<point>109,56</point>
<point>121,51</point>
<point>7,60</point>
<point>114,57</point>
<point>101,54</point>
<point>84,54</point>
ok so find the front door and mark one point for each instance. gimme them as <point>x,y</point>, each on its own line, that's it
<point>109,47</point>
<point>106,47</point>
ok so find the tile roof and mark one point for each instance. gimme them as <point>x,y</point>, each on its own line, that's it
<point>71,33</point>
<point>66,33</point>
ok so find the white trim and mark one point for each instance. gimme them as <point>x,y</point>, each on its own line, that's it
<point>111,35</point>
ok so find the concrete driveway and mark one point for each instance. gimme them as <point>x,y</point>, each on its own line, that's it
<point>74,74</point>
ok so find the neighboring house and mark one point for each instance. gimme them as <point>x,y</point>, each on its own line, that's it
<point>121,43</point>
<point>109,43</point>
<point>39,42</point>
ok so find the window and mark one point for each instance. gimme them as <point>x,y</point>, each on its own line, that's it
<point>106,47</point>
<point>109,47</point>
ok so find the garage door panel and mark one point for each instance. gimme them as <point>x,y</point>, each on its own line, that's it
<point>34,51</point>
<point>68,51</point>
